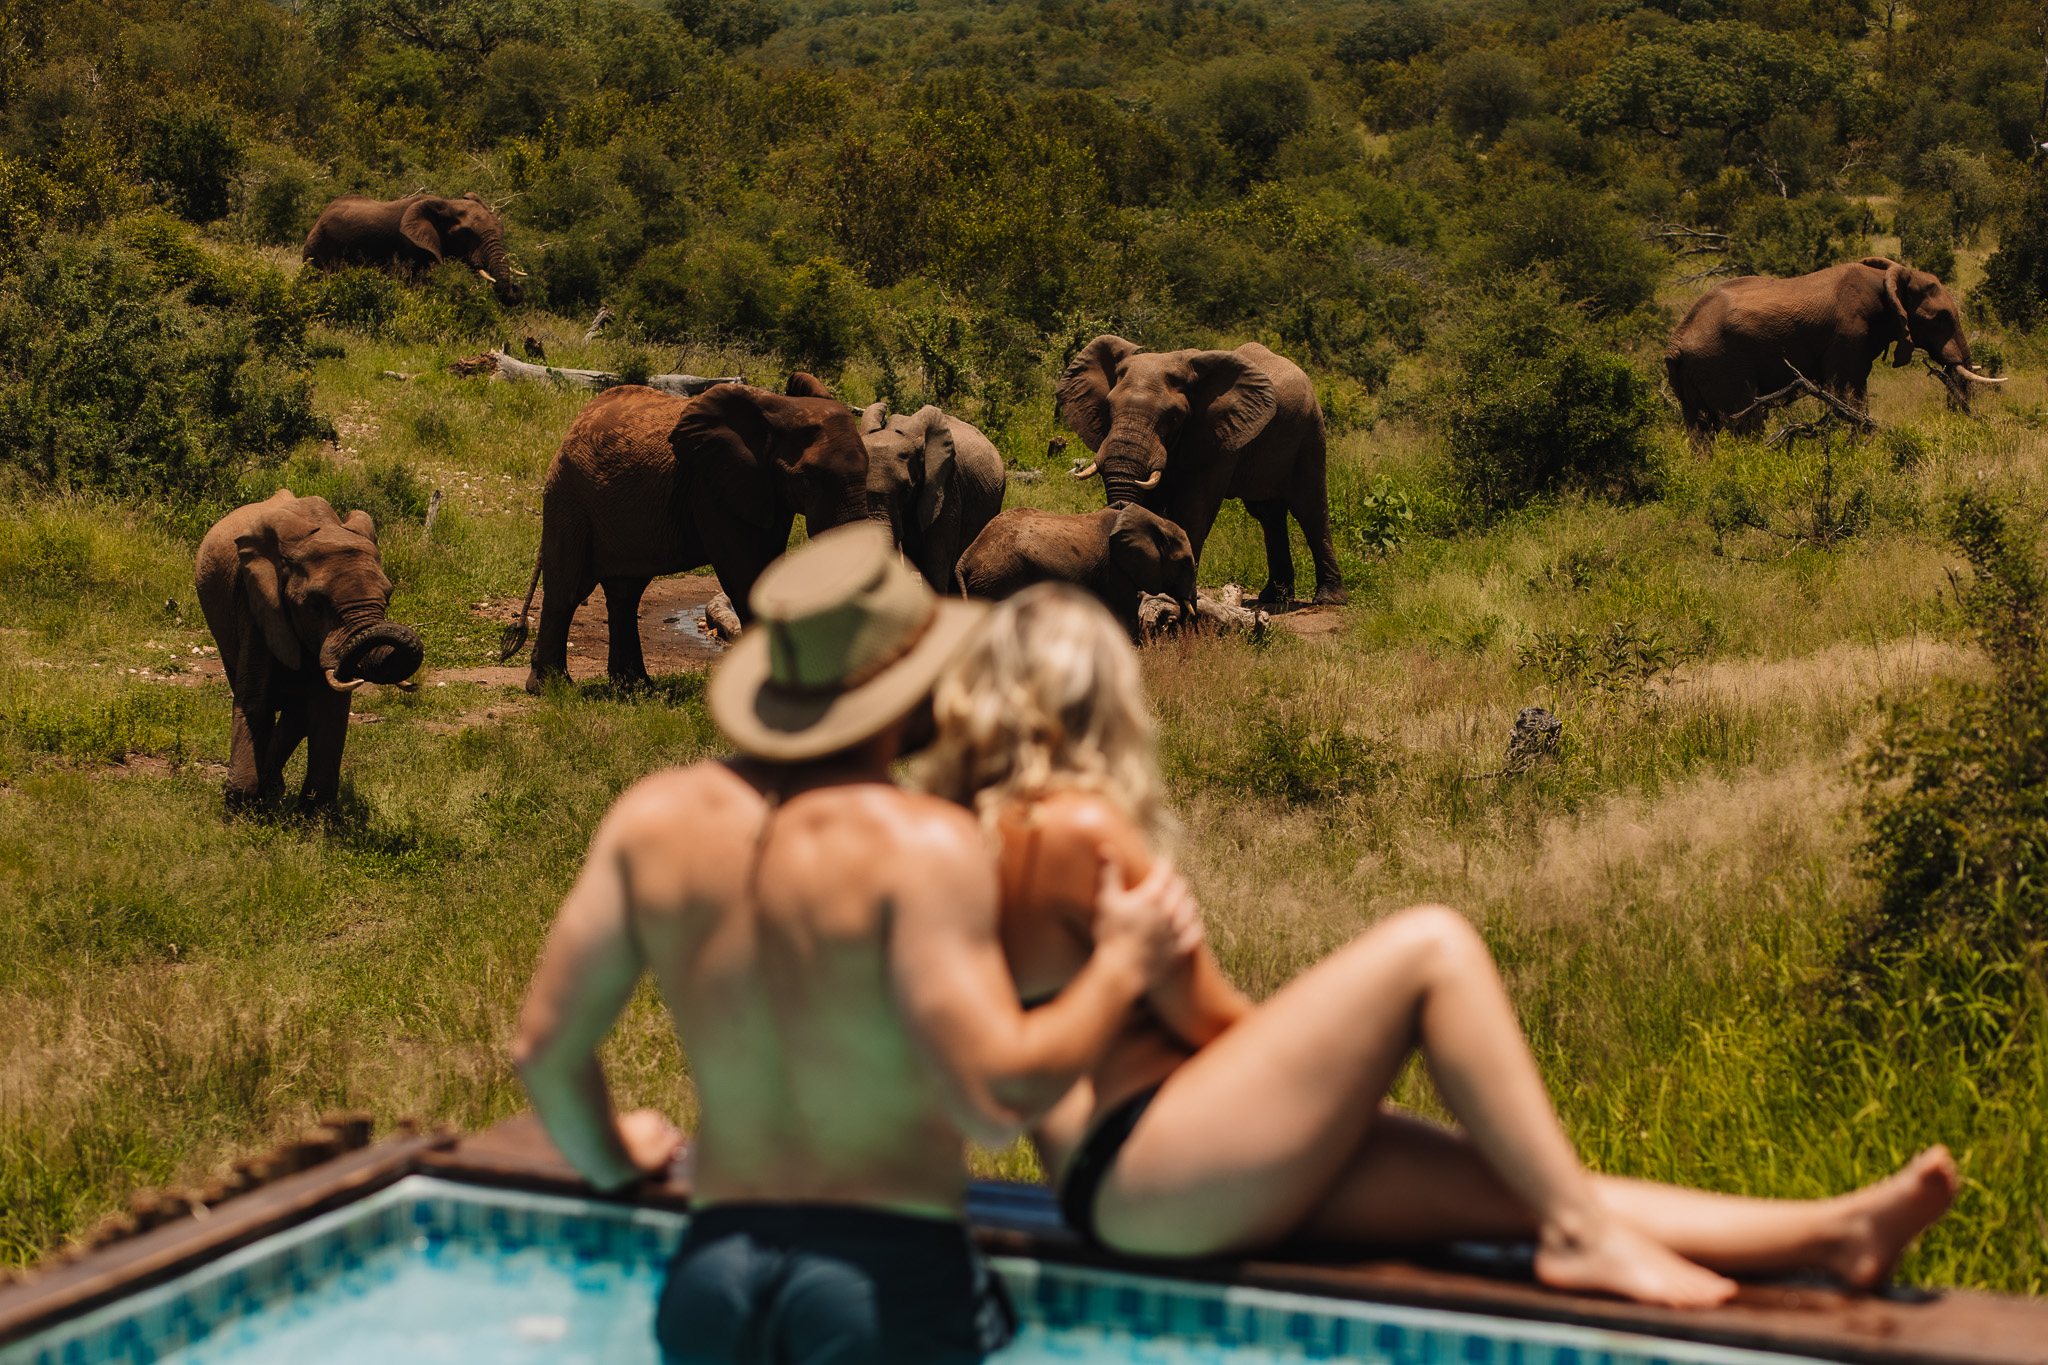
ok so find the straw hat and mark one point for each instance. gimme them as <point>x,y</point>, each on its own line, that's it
<point>846,638</point>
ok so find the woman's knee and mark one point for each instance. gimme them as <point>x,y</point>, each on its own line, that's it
<point>1435,935</point>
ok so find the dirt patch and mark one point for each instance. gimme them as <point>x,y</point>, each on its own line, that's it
<point>671,639</point>
<point>1312,623</point>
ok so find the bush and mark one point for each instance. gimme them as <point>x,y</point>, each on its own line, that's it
<point>1773,236</point>
<point>826,316</point>
<point>1958,808</point>
<point>2015,286</point>
<point>1579,238</point>
<point>1924,241</point>
<point>192,158</point>
<point>1390,33</point>
<point>114,385</point>
<point>281,207</point>
<point>1532,402</point>
<point>1485,90</point>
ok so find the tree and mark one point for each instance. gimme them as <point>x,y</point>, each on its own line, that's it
<point>467,30</point>
<point>1726,78</point>
<point>1390,33</point>
<point>2016,277</point>
<point>728,25</point>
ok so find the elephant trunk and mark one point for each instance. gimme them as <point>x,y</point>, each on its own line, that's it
<point>382,652</point>
<point>498,265</point>
<point>1132,459</point>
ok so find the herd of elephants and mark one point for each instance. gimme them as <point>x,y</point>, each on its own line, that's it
<point>647,483</point>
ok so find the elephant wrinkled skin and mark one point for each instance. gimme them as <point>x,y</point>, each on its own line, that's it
<point>1180,431</point>
<point>1118,554</point>
<point>1743,339</point>
<point>939,480</point>
<point>295,597</point>
<point>647,483</point>
<point>412,235</point>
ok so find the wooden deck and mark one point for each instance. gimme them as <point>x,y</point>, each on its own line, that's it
<point>1796,1319</point>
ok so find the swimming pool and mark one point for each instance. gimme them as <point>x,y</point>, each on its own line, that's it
<point>429,1270</point>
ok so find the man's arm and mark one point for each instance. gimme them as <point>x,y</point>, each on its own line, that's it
<point>1003,1066</point>
<point>587,972</point>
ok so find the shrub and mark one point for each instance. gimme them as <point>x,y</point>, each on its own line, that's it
<point>112,384</point>
<point>281,207</point>
<point>2015,284</point>
<point>1532,402</point>
<point>827,314</point>
<point>1924,240</point>
<point>1485,90</point>
<point>1579,237</point>
<point>1958,808</point>
<point>1390,33</point>
<point>1773,236</point>
<point>192,157</point>
<point>1304,762</point>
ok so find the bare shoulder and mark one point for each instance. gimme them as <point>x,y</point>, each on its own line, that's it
<point>702,794</point>
<point>885,816</point>
<point>1075,826</point>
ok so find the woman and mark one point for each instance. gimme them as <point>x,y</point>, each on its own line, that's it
<point>1214,1125</point>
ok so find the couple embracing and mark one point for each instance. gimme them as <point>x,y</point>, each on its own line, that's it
<point>863,977</point>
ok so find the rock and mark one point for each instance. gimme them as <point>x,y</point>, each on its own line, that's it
<point>1535,737</point>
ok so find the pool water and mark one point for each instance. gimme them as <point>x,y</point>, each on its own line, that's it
<point>429,1270</point>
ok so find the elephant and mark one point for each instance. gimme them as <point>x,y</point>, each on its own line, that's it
<point>295,597</point>
<point>1118,554</point>
<point>414,234</point>
<point>1745,338</point>
<point>1180,431</point>
<point>646,483</point>
<point>939,479</point>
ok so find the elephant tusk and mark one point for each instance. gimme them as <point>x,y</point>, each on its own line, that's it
<point>340,686</point>
<point>407,686</point>
<point>1969,373</point>
<point>517,271</point>
<point>1153,482</point>
<point>1087,473</point>
<point>488,275</point>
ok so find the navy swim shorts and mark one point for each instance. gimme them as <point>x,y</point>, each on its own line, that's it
<point>828,1284</point>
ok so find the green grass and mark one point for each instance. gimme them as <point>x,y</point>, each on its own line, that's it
<point>185,988</point>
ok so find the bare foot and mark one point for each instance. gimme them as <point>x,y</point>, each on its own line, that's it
<point>1613,1258</point>
<point>1883,1219</point>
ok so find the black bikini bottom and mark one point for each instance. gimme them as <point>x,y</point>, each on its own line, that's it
<point>1090,1166</point>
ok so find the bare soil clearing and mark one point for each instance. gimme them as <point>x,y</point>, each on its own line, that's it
<point>670,638</point>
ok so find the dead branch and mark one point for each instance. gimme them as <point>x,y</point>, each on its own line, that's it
<point>1958,387</point>
<point>597,324</point>
<point>1802,387</point>
<point>500,364</point>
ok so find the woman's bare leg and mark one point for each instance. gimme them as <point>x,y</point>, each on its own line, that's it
<point>1243,1142</point>
<point>1411,1180</point>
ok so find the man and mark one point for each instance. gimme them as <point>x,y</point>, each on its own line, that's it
<point>827,947</point>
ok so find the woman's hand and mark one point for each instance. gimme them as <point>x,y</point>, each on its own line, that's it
<point>651,1141</point>
<point>1159,917</point>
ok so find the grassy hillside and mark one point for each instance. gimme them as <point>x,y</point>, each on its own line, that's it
<point>1697,902</point>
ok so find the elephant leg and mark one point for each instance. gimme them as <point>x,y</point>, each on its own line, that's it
<point>248,740</point>
<point>562,595</point>
<point>285,737</point>
<point>738,553</point>
<point>1271,514</point>
<point>325,717</point>
<point>1310,504</point>
<point>625,663</point>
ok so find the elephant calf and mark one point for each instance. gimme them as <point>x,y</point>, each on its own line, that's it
<point>1118,554</point>
<point>295,597</point>
<point>940,480</point>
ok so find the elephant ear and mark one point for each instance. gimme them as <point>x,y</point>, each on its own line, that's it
<point>805,385</point>
<point>724,444</point>
<point>359,522</point>
<point>260,586</point>
<point>934,466</point>
<point>1084,388</point>
<point>874,418</point>
<point>1902,354</point>
<point>1233,395</point>
<point>1134,548</point>
<point>422,225</point>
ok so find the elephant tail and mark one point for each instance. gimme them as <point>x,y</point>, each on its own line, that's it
<point>514,638</point>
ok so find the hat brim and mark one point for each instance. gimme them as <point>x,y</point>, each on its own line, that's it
<point>786,727</point>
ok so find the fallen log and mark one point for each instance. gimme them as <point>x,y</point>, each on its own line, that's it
<point>501,364</point>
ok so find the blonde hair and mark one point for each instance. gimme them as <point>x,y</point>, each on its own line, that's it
<point>1047,698</point>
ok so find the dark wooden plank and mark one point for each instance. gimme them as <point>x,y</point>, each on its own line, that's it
<point>49,1297</point>
<point>518,1153</point>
